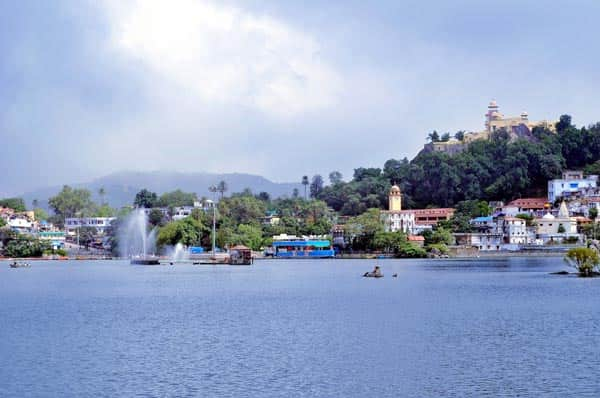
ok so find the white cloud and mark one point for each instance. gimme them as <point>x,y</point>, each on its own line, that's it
<point>225,55</point>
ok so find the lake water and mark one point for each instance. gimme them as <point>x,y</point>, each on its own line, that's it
<point>452,328</point>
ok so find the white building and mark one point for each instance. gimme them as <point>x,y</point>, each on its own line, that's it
<point>179,213</point>
<point>484,241</point>
<point>571,182</point>
<point>515,231</point>
<point>20,224</point>
<point>395,219</point>
<point>100,223</point>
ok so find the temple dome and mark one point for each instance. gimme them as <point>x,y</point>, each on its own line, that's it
<point>395,189</point>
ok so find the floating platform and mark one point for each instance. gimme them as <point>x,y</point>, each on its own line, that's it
<point>146,260</point>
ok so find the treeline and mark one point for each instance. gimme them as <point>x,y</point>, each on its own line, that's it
<point>500,168</point>
<point>241,218</point>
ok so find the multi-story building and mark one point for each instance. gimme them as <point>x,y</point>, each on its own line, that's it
<point>515,231</point>
<point>571,183</point>
<point>411,221</point>
<point>395,218</point>
<point>533,206</point>
<point>100,223</point>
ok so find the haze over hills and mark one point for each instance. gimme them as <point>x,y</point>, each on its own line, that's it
<point>121,187</point>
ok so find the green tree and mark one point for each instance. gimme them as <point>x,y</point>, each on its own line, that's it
<point>247,235</point>
<point>361,230</point>
<point>176,198</point>
<point>156,218</point>
<point>335,177</point>
<point>17,204</point>
<point>71,202</point>
<point>264,196</point>
<point>241,209</point>
<point>145,199</point>
<point>433,136</point>
<point>316,186</point>
<point>40,214</point>
<point>188,232</point>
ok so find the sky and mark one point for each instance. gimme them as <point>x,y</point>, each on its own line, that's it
<point>276,88</point>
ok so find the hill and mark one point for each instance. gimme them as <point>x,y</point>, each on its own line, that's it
<point>121,187</point>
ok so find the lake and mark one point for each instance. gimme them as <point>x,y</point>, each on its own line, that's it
<point>452,328</point>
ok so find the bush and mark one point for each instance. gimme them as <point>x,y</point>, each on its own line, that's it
<point>438,248</point>
<point>584,259</point>
<point>408,250</point>
<point>25,247</point>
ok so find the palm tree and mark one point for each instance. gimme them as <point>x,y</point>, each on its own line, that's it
<point>305,183</point>
<point>102,192</point>
<point>222,188</point>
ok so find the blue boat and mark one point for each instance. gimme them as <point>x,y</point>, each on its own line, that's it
<point>303,248</point>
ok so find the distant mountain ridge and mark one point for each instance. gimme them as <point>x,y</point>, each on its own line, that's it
<point>121,187</point>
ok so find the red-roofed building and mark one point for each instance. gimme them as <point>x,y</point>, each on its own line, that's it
<point>526,205</point>
<point>417,240</point>
<point>431,216</point>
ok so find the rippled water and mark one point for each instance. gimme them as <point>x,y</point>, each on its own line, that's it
<point>299,328</point>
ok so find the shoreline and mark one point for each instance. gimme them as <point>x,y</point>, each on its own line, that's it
<point>480,255</point>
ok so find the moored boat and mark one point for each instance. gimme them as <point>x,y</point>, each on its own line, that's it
<point>145,260</point>
<point>19,264</point>
<point>286,246</point>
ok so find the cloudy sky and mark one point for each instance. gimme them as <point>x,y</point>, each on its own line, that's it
<point>274,88</point>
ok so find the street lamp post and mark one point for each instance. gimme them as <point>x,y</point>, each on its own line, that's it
<point>213,189</point>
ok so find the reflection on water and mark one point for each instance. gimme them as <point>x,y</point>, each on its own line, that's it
<point>482,327</point>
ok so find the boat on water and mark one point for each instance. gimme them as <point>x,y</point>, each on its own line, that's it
<point>376,273</point>
<point>289,246</point>
<point>145,260</point>
<point>240,255</point>
<point>19,264</point>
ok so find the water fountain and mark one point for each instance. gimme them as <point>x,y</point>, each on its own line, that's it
<point>177,253</point>
<point>135,242</point>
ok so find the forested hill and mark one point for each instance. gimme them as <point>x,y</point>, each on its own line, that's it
<point>494,169</point>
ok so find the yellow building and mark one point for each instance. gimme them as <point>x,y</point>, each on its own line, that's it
<point>395,219</point>
<point>494,121</point>
<point>395,199</point>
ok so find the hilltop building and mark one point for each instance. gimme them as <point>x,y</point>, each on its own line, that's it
<point>516,126</point>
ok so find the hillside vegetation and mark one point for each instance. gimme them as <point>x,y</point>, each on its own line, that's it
<point>494,169</point>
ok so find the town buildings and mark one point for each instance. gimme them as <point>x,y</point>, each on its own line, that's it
<point>571,183</point>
